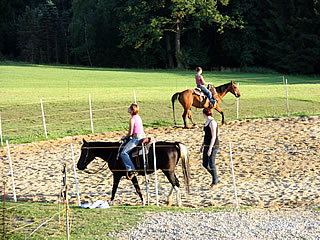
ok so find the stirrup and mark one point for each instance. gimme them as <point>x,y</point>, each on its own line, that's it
<point>130,175</point>
<point>213,105</point>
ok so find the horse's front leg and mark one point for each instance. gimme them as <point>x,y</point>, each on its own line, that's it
<point>138,190</point>
<point>116,179</point>
<point>221,112</point>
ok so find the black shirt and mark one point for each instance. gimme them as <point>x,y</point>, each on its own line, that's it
<point>208,136</point>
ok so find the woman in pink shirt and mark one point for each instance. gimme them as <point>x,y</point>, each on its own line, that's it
<point>200,84</point>
<point>137,134</point>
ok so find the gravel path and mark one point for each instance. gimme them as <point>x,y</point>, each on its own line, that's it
<point>253,224</point>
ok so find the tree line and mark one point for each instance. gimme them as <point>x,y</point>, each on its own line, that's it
<point>272,34</point>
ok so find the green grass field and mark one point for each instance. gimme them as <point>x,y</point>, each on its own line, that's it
<point>21,219</point>
<point>64,91</point>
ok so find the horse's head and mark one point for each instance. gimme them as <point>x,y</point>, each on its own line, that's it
<point>86,156</point>
<point>234,89</point>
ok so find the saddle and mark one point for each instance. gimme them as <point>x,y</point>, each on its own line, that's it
<point>137,153</point>
<point>197,91</point>
<point>203,97</point>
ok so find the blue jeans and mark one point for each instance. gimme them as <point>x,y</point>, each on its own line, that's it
<point>207,93</point>
<point>127,149</point>
<point>210,163</point>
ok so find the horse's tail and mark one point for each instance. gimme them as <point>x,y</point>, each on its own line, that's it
<point>173,99</point>
<point>185,165</point>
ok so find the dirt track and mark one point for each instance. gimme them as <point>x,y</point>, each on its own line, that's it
<point>277,163</point>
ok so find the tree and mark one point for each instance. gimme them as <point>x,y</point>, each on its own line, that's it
<point>240,46</point>
<point>146,22</point>
<point>43,34</point>
<point>292,40</point>
<point>10,12</point>
<point>83,29</point>
<point>28,35</point>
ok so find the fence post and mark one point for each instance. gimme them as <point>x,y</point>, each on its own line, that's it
<point>155,172</point>
<point>287,97</point>
<point>4,210</point>
<point>67,214</point>
<point>90,113</point>
<point>75,175</point>
<point>233,177</point>
<point>1,132</point>
<point>66,197</point>
<point>11,171</point>
<point>238,105</point>
<point>134,97</point>
<point>43,119</point>
<point>145,173</point>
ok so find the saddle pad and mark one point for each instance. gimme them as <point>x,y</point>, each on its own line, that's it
<point>138,150</point>
<point>198,91</point>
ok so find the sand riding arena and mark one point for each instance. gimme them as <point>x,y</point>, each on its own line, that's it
<point>276,164</point>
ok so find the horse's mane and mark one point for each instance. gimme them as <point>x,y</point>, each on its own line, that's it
<point>222,87</point>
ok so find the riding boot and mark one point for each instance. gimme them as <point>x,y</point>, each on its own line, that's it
<point>213,104</point>
<point>131,174</point>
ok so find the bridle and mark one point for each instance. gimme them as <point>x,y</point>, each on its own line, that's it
<point>87,155</point>
<point>234,90</point>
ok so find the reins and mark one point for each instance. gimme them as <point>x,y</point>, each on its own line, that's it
<point>98,171</point>
<point>229,105</point>
<point>101,169</point>
<point>224,86</point>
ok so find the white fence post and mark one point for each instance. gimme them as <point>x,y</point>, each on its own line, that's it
<point>234,180</point>
<point>155,172</point>
<point>238,105</point>
<point>43,119</point>
<point>287,97</point>
<point>66,199</point>
<point>134,97</point>
<point>11,171</point>
<point>145,173</point>
<point>1,132</point>
<point>75,175</point>
<point>90,113</point>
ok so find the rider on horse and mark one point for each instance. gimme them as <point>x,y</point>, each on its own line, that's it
<point>200,84</point>
<point>137,134</point>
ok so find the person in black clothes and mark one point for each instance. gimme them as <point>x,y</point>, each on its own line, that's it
<point>210,146</point>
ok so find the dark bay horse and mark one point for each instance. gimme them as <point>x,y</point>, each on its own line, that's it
<point>167,157</point>
<point>188,98</point>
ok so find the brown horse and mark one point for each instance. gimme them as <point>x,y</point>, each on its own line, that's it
<point>188,98</point>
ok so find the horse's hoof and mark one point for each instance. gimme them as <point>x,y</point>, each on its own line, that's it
<point>111,203</point>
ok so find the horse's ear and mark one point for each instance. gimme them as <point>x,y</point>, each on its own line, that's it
<point>84,141</point>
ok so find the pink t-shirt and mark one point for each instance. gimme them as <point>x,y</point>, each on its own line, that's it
<point>138,126</point>
<point>199,80</point>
